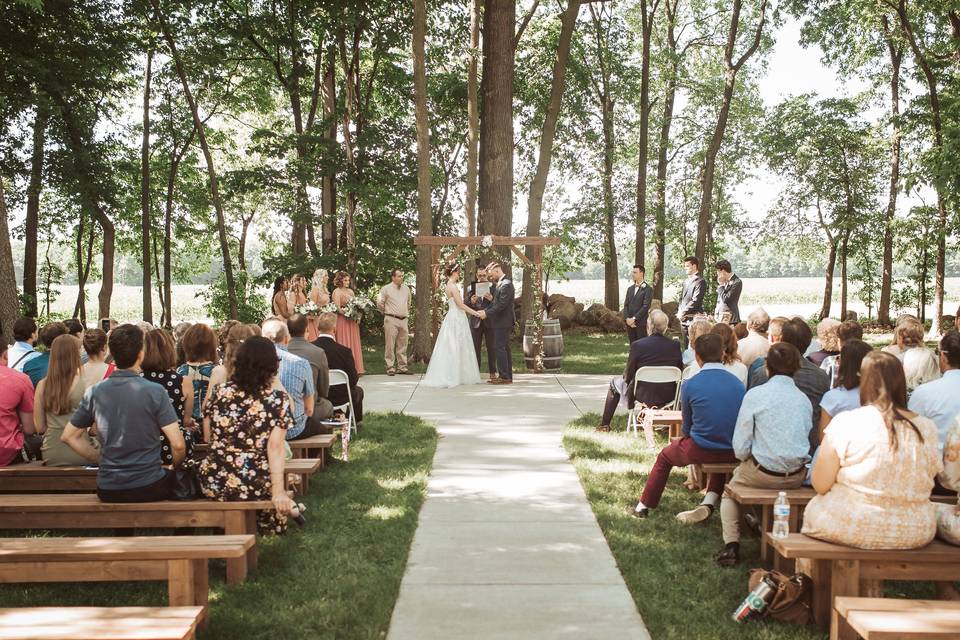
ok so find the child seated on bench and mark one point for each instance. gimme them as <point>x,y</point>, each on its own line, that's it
<point>130,414</point>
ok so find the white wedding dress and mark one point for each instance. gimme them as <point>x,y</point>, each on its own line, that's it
<point>454,362</point>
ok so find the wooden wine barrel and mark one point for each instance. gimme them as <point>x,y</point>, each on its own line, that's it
<point>552,344</point>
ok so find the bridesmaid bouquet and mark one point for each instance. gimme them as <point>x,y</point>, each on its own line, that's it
<point>308,308</point>
<point>330,307</point>
<point>357,307</point>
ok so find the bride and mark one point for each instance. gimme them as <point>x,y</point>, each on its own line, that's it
<point>454,362</point>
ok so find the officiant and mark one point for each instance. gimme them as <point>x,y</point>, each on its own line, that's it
<point>394,303</point>
<point>475,300</point>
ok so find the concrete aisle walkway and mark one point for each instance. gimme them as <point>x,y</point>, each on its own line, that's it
<point>507,545</point>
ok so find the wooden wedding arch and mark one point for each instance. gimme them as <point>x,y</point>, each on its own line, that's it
<point>460,244</point>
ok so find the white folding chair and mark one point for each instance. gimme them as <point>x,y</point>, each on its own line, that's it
<point>653,375</point>
<point>338,377</point>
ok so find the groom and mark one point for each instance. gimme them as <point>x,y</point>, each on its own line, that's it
<point>500,320</point>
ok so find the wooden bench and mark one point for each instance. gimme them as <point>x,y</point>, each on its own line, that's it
<point>673,420</point>
<point>838,570</point>
<point>85,511</point>
<point>322,443</point>
<point>99,623</point>
<point>181,561</point>
<point>303,468</point>
<point>37,478</point>
<point>895,619</point>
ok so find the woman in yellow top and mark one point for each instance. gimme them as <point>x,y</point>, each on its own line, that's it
<point>58,396</point>
<point>876,468</point>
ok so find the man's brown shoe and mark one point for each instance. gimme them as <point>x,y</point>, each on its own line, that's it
<point>406,372</point>
<point>391,373</point>
<point>505,381</point>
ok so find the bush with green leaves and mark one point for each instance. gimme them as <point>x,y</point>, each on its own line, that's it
<point>251,305</point>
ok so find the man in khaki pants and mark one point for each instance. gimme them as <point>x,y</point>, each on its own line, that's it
<point>394,303</point>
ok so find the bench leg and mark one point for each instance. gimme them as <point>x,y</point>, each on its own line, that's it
<point>235,523</point>
<point>251,522</point>
<point>819,572</point>
<point>187,584</point>
<point>839,627</point>
<point>766,524</point>
<point>844,581</point>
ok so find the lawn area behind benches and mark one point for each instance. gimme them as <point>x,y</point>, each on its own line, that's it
<point>669,567</point>
<point>338,577</point>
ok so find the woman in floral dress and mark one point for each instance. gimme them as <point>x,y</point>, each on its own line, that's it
<point>159,366</point>
<point>248,426</point>
<point>348,330</point>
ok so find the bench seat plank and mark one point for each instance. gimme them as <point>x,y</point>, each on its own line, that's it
<point>892,618</point>
<point>797,545</point>
<point>125,548</point>
<point>99,623</point>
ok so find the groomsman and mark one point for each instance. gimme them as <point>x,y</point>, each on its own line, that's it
<point>479,327</point>
<point>691,298</point>
<point>636,305</point>
<point>728,293</point>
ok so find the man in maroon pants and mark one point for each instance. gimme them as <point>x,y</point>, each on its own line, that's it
<point>710,403</point>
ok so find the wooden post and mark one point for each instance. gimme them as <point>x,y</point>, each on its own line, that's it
<point>435,282</point>
<point>538,306</point>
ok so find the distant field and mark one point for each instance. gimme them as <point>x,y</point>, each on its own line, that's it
<point>779,296</point>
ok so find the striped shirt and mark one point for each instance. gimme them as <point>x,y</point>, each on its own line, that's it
<point>296,376</point>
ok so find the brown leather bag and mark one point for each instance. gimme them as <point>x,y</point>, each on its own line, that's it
<point>791,602</point>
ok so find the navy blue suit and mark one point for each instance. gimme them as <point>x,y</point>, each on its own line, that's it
<point>500,320</point>
<point>652,351</point>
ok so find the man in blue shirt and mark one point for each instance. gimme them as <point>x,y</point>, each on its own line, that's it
<point>710,403</point>
<point>296,377</point>
<point>24,336</point>
<point>939,400</point>
<point>36,368</point>
<point>771,438</point>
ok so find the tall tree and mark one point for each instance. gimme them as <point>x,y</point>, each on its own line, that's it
<point>495,214</point>
<point>9,303</point>
<point>648,13</point>
<point>473,117</point>
<point>31,223</point>
<point>207,155</point>
<point>731,67</point>
<point>146,221</point>
<point>895,51</point>
<point>548,133</point>
<point>422,343</point>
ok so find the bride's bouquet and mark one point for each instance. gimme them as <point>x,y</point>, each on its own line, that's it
<point>357,306</point>
<point>308,308</point>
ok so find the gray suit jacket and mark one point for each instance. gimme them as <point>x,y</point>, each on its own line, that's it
<point>636,304</point>
<point>317,358</point>
<point>500,312</point>
<point>728,299</point>
<point>691,299</point>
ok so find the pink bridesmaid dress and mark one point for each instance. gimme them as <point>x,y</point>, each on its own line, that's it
<point>348,331</point>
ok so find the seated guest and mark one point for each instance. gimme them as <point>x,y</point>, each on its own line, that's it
<point>96,367</point>
<point>36,368</point>
<point>201,350</point>
<point>810,379</point>
<point>296,376</point>
<point>236,336</point>
<point>159,366</point>
<point>846,395</point>
<point>710,404</point>
<point>756,344</point>
<point>178,333</point>
<point>58,396</point>
<point>731,360</point>
<point>131,414</point>
<point>757,370</point>
<point>829,341</point>
<point>76,329</point>
<point>249,421</point>
<point>16,412</point>
<point>339,357</point>
<point>919,363</point>
<point>849,330</point>
<point>948,515</point>
<point>317,357</point>
<point>25,337</point>
<point>222,336</point>
<point>740,330</point>
<point>698,328</point>
<point>939,399</point>
<point>655,350</point>
<point>876,468</point>
<point>896,347</point>
<point>771,438</point>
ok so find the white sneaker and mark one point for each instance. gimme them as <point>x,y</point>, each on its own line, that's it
<point>699,514</point>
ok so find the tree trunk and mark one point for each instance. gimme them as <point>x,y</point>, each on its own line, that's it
<point>473,118</point>
<point>611,287</point>
<point>496,121</point>
<point>422,342</point>
<point>886,282</point>
<point>646,33</point>
<point>843,274</point>
<point>828,284</point>
<point>145,222</point>
<point>9,302</point>
<point>329,185</point>
<point>708,173</point>
<point>208,157</point>
<point>663,159</point>
<point>32,222</point>
<point>545,153</point>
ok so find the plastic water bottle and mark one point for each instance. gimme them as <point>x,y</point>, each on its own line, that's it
<point>781,516</point>
<point>345,442</point>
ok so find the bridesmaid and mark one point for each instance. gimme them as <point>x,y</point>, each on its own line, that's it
<point>297,293</point>
<point>320,297</point>
<point>279,301</point>
<point>348,331</point>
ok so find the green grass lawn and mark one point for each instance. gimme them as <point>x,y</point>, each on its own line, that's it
<point>338,577</point>
<point>583,353</point>
<point>669,567</point>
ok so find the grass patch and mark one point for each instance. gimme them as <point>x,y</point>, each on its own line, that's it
<point>584,353</point>
<point>668,567</point>
<point>338,577</point>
